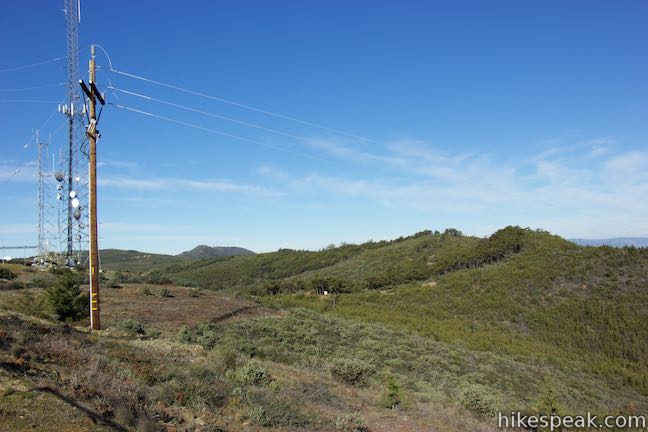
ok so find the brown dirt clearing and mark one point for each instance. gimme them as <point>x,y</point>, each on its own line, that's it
<point>168,314</point>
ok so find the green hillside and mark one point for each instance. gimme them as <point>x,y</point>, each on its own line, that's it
<point>523,293</point>
<point>435,331</point>
<point>204,251</point>
<point>132,260</point>
<point>373,263</point>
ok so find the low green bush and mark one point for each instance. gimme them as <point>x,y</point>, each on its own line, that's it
<point>270,408</point>
<point>206,335</point>
<point>548,402</point>
<point>184,282</point>
<point>253,374</point>
<point>156,277</point>
<point>351,371</point>
<point>223,359</point>
<point>198,388</point>
<point>352,423</point>
<point>41,282</point>
<point>12,285</point>
<point>479,401</point>
<point>131,326</point>
<point>392,397</point>
<point>165,293</point>
<point>5,273</point>
<point>145,291</point>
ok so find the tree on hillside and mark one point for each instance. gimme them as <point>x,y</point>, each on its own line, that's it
<point>320,285</point>
<point>66,300</point>
<point>453,232</point>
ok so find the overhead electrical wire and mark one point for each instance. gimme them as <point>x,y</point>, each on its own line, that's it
<point>47,121</point>
<point>31,88</point>
<point>215,131</point>
<point>28,101</point>
<point>58,129</point>
<point>51,115</point>
<point>12,175</point>
<point>17,68</point>
<point>210,114</point>
<point>237,104</point>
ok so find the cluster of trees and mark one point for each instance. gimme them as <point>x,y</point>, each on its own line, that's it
<point>318,285</point>
<point>397,274</point>
<point>501,245</point>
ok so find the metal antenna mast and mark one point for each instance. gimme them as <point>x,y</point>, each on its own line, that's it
<point>48,233</point>
<point>42,148</point>
<point>75,179</point>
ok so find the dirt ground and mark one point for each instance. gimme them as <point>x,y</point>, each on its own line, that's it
<point>169,314</point>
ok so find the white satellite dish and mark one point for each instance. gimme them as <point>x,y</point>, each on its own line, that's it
<point>75,203</point>
<point>72,194</point>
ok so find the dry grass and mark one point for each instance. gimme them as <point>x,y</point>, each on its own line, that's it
<point>21,409</point>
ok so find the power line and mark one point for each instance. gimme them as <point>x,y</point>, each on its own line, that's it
<point>222,117</point>
<point>59,128</point>
<point>17,68</point>
<point>32,88</point>
<point>47,121</point>
<point>8,179</point>
<point>215,131</point>
<point>27,101</point>
<point>240,105</point>
<point>50,117</point>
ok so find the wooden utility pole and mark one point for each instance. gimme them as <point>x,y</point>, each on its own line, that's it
<point>93,95</point>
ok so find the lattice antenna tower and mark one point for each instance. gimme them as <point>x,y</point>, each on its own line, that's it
<point>48,230</point>
<point>75,175</point>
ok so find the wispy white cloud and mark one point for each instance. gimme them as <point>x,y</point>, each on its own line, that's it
<point>125,182</point>
<point>629,167</point>
<point>119,164</point>
<point>11,171</point>
<point>591,182</point>
<point>348,150</point>
<point>137,227</point>
<point>17,228</point>
<point>132,183</point>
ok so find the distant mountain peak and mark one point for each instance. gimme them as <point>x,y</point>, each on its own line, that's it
<point>615,242</point>
<point>204,251</point>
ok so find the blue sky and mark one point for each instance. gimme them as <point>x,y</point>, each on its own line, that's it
<point>474,115</point>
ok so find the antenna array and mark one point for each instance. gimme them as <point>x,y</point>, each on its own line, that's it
<point>73,178</point>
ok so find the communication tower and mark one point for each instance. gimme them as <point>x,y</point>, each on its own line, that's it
<point>74,178</point>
